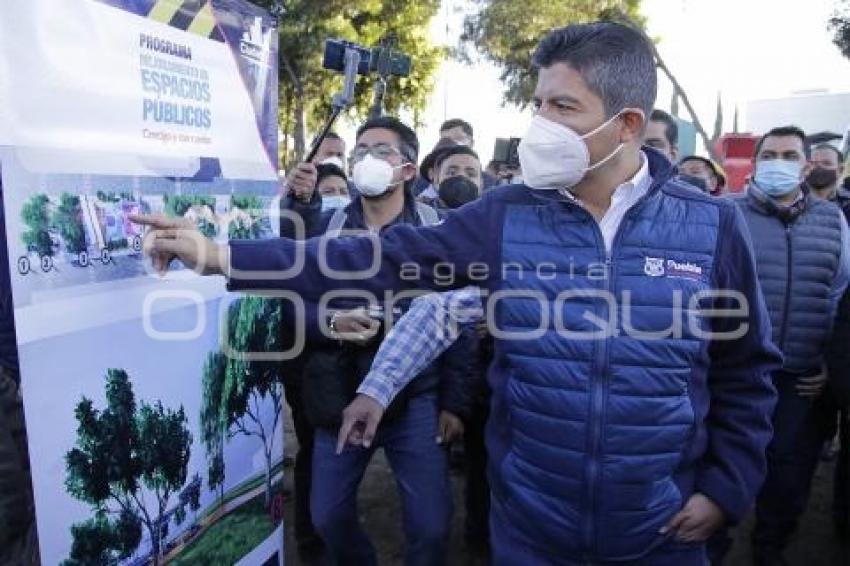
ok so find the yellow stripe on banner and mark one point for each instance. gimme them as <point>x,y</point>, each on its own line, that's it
<point>204,22</point>
<point>164,10</point>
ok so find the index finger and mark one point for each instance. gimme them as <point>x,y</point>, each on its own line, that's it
<point>159,221</point>
<point>344,430</point>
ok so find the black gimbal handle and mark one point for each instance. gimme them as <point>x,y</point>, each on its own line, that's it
<point>340,101</point>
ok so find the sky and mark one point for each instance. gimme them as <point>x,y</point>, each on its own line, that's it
<point>746,49</point>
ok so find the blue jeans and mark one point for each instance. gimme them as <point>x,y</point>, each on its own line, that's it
<point>421,470</point>
<point>792,458</point>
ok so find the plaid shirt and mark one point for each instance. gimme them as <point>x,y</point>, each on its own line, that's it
<point>429,327</point>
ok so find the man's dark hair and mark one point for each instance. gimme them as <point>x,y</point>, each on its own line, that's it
<point>409,142</point>
<point>784,132</point>
<point>837,151</point>
<point>458,123</point>
<point>614,60</point>
<point>325,170</point>
<point>704,160</point>
<point>333,136</point>
<point>671,128</point>
<point>456,150</point>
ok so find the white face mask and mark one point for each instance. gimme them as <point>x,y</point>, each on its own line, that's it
<point>334,202</point>
<point>333,161</point>
<point>554,156</point>
<point>373,177</point>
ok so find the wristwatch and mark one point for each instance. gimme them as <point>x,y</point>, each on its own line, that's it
<point>332,324</point>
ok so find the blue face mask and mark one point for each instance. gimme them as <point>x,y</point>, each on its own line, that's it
<point>335,202</point>
<point>777,177</point>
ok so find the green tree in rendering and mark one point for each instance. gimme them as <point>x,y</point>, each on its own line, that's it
<point>179,205</point>
<point>249,226</point>
<point>235,389</point>
<point>36,216</point>
<point>190,498</point>
<point>68,221</point>
<point>101,541</point>
<point>125,454</point>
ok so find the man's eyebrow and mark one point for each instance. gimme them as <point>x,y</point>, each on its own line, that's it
<point>564,98</point>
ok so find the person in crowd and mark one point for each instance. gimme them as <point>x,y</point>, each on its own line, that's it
<point>461,132</point>
<point>309,189</point>
<point>705,169</point>
<point>824,179</point>
<point>425,187</point>
<point>662,133</point>
<point>18,541</point>
<point>603,446</point>
<point>457,174</point>
<point>332,186</point>
<point>433,323</point>
<point>431,407</point>
<point>459,161</point>
<point>302,178</point>
<point>838,358</point>
<point>803,259</point>
<point>493,168</point>
<point>504,174</point>
<point>331,150</point>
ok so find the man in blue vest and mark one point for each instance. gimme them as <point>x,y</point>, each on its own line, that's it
<point>631,396</point>
<point>803,268</point>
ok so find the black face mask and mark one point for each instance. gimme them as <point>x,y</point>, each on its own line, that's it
<point>698,182</point>
<point>821,178</point>
<point>457,191</point>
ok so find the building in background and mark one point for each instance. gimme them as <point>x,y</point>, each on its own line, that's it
<point>815,111</point>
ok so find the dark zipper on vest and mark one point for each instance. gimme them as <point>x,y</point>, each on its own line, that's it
<point>600,382</point>
<point>598,385</point>
<point>783,333</point>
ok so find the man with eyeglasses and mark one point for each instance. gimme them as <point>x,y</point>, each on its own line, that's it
<point>429,411</point>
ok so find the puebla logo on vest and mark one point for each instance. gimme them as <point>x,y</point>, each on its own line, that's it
<point>658,267</point>
<point>654,267</point>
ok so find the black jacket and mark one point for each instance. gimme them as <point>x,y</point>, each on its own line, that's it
<point>838,354</point>
<point>332,370</point>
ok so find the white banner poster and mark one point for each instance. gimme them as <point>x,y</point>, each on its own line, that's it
<point>147,444</point>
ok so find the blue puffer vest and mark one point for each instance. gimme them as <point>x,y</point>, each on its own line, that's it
<point>597,447</point>
<point>797,261</point>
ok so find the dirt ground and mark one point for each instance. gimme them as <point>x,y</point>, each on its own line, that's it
<point>380,510</point>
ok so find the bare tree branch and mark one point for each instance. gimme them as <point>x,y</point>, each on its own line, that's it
<point>660,63</point>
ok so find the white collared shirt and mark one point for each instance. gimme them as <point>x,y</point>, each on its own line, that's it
<point>624,198</point>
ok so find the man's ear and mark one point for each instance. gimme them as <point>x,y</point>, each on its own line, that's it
<point>807,168</point>
<point>634,121</point>
<point>674,153</point>
<point>408,171</point>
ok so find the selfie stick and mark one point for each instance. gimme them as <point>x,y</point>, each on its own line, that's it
<point>341,99</point>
